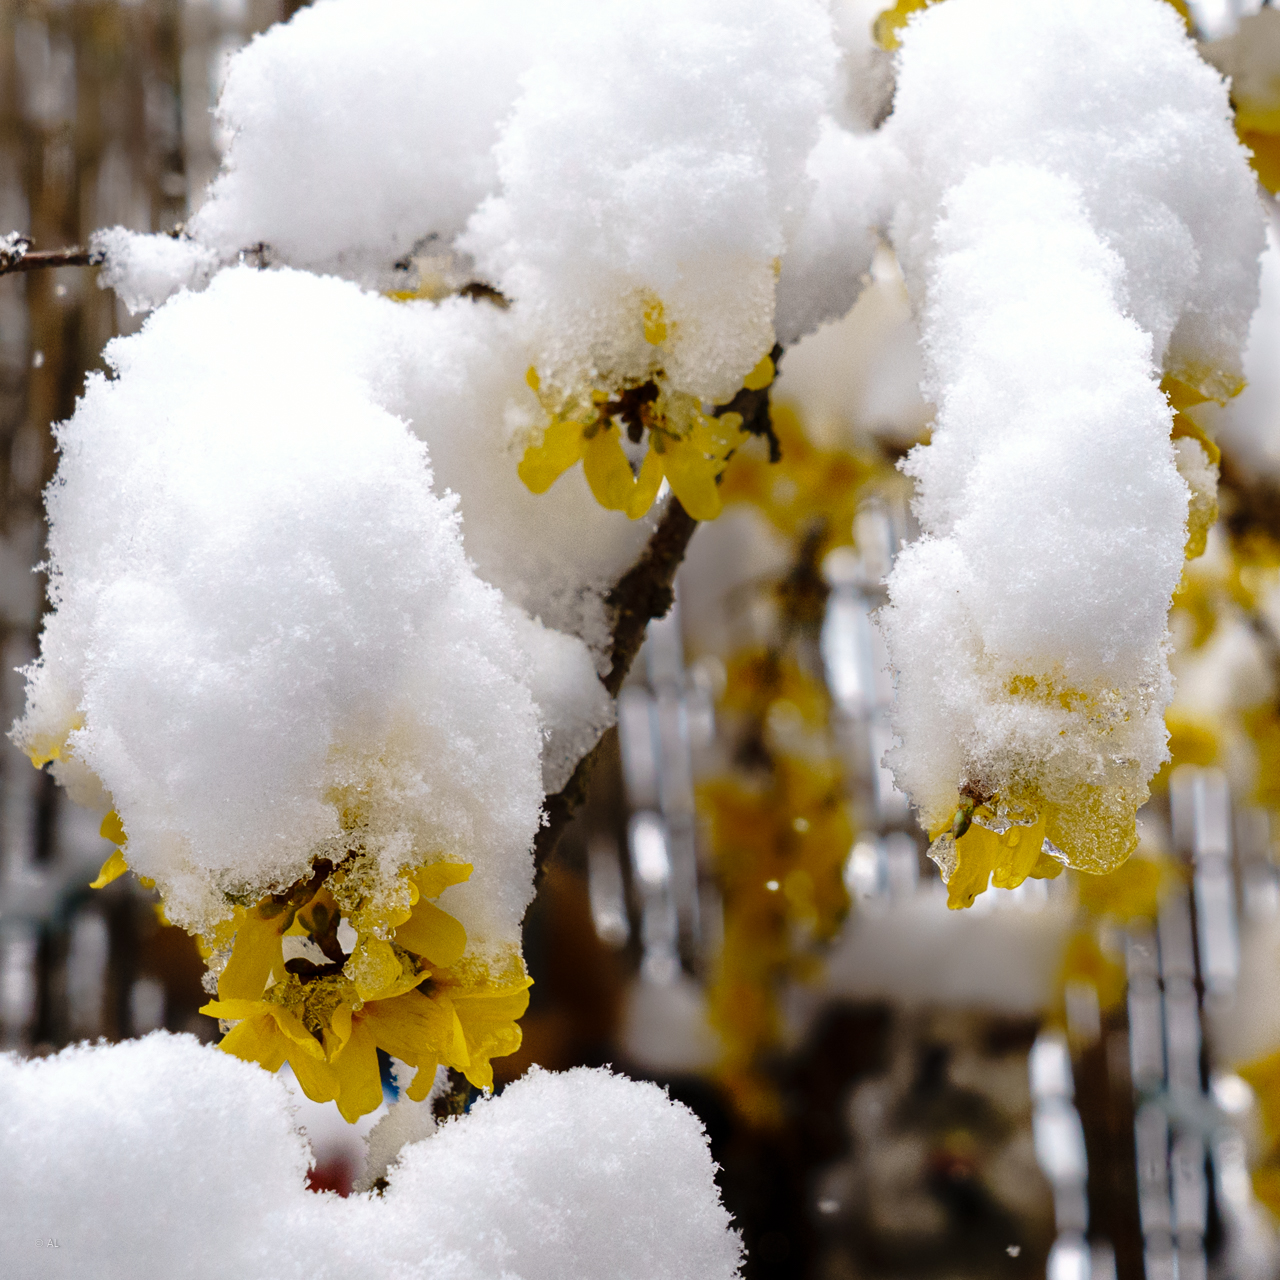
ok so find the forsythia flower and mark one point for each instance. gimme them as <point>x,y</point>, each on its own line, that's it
<point>808,490</point>
<point>1251,59</point>
<point>891,21</point>
<point>409,993</point>
<point>983,845</point>
<point>779,852</point>
<point>1128,894</point>
<point>687,447</point>
<point>1263,1077</point>
<point>1185,394</point>
<point>780,835</point>
<point>759,680</point>
<point>404,986</point>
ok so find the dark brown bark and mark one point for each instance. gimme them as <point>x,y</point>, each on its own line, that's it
<point>36,259</point>
<point>644,592</point>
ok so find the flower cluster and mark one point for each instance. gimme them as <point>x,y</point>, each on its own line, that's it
<point>330,971</point>
<point>687,446</point>
<point>780,823</point>
<point>810,490</point>
<point>779,844</point>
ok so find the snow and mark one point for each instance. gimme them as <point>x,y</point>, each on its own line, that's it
<point>1078,217</point>
<point>171,1152</point>
<point>828,260</point>
<point>674,176</point>
<point>400,144</point>
<point>460,383</point>
<point>1112,95</point>
<point>363,127</point>
<point>145,270</point>
<point>265,615</point>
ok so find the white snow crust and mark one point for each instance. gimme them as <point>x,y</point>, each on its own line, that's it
<point>675,172</point>
<point>169,1158</point>
<point>1078,216</point>
<point>264,610</point>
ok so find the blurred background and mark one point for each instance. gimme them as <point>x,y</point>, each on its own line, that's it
<point>1045,1083</point>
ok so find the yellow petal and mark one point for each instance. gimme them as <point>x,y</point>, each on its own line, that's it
<point>761,376</point>
<point>977,852</point>
<point>886,27</point>
<point>373,967</point>
<point>1266,1184</point>
<point>480,1072</point>
<point>256,1039</point>
<point>543,464</point>
<point>1185,427</point>
<point>271,1034</point>
<point>356,1068</point>
<point>1130,892</point>
<point>113,829</point>
<point>410,1027</point>
<point>255,954</point>
<point>1263,1077</point>
<point>317,1079</point>
<point>43,749</point>
<point>459,1050</point>
<point>1020,853</point>
<point>489,1026</point>
<point>434,879</point>
<point>287,1023</point>
<point>433,934</point>
<point>693,479</point>
<point>340,1026</point>
<point>114,867</point>
<point>607,470</point>
<point>423,1079</point>
<point>648,482</point>
<point>718,436</point>
<point>233,1010</point>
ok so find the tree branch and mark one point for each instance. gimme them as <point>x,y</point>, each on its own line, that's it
<point>643,593</point>
<point>17,255</point>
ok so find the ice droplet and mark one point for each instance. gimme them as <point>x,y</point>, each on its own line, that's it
<point>943,852</point>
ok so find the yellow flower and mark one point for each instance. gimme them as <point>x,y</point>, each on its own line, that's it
<point>1130,892</point>
<point>887,26</point>
<point>405,988</point>
<point>1084,963</point>
<point>779,852</point>
<point>1193,739</point>
<point>687,447</point>
<point>983,847</point>
<point>1263,1077</point>
<point>808,488</point>
<point>758,679</point>
<point>1093,826</point>
<point>115,866</point>
<point>1248,59</point>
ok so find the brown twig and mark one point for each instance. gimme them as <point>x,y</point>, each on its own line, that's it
<point>754,407</point>
<point>17,255</point>
<point>643,593</point>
